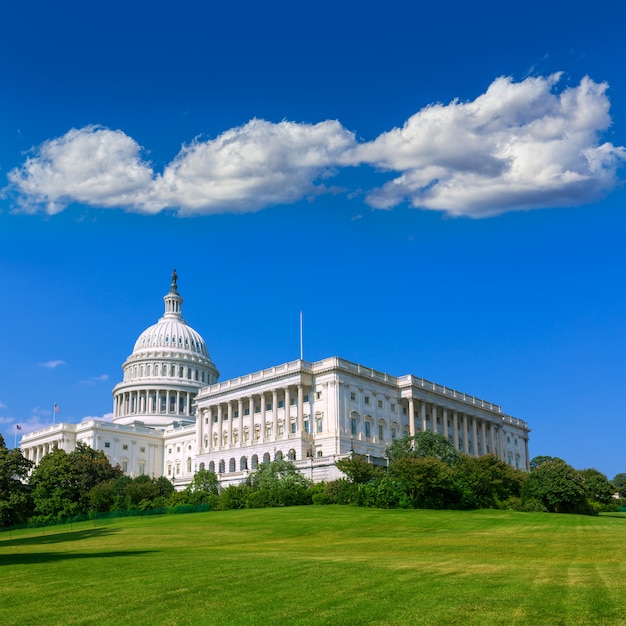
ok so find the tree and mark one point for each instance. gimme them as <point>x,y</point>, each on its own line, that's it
<point>486,481</point>
<point>357,469</point>
<point>15,500</point>
<point>597,486</point>
<point>421,445</point>
<point>278,483</point>
<point>619,482</point>
<point>203,489</point>
<point>62,482</point>
<point>557,486</point>
<point>428,481</point>
<point>536,461</point>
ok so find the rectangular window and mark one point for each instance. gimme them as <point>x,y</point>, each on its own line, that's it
<point>393,408</point>
<point>394,433</point>
<point>381,429</point>
<point>142,468</point>
<point>367,400</point>
<point>125,446</point>
<point>380,404</point>
<point>292,402</point>
<point>215,419</point>
<point>169,470</point>
<point>246,411</point>
<point>353,426</point>
<point>306,397</point>
<point>404,411</point>
<point>281,430</point>
<point>318,395</point>
<point>257,408</point>
<point>124,466</point>
<point>142,449</point>
<point>368,429</point>
<point>107,444</point>
<point>281,404</point>
<point>268,431</point>
<point>269,406</point>
<point>352,396</point>
<point>236,414</point>
<point>293,427</point>
<point>306,426</point>
<point>320,424</point>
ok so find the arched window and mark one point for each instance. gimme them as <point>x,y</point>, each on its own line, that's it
<point>291,455</point>
<point>188,465</point>
<point>266,457</point>
<point>255,461</point>
<point>201,466</point>
<point>212,466</point>
<point>222,466</point>
<point>232,465</point>
<point>278,456</point>
<point>243,463</point>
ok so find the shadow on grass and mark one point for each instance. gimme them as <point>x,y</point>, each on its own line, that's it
<point>52,537</point>
<point>33,558</point>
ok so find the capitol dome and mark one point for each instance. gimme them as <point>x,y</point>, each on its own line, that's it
<point>169,363</point>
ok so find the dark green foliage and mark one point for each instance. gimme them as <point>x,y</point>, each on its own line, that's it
<point>486,481</point>
<point>619,482</point>
<point>557,486</point>
<point>15,499</point>
<point>340,491</point>
<point>357,469</point>
<point>62,482</point>
<point>597,486</point>
<point>536,461</point>
<point>429,482</point>
<point>278,483</point>
<point>203,489</point>
<point>423,444</point>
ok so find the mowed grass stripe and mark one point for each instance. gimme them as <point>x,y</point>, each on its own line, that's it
<point>319,565</point>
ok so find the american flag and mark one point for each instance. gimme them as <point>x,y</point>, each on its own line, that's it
<point>56,407</point>
<point>18,427</point>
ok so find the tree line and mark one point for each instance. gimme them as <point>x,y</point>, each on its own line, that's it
<point>423,471</point>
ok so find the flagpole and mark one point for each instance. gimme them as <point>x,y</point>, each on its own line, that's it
<point>301,357</point>
<point>54,413</point>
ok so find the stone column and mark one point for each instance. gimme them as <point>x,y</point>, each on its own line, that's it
<point>220,424</point>
<point>262,438</point>
<point>167,401</point>
<point>455,426</point>
<point>465,435</point>
<point>492,433</point>
<point>433,418</point>
<point>274,414</point>
<point>475,435</point>
<point>483,437</point>
<point>240,427</point>
<point>210,428</point>
<point>411,416</point>
<point>230,423</point>
<point>502,450</point>
<point>423,414</point>
<point>300,418</point>
<point>251,405</point>
<point>287,418</point>
<point>199,431</point>
<point>445,422</point>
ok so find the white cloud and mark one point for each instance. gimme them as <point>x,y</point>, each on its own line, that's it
<point>250,167</point>
<point>6,420</point>
<point>92,165</point>
<point>107,417</point>
<point>517,146</point>
<point>2,405</point>
<point>244,169</point>
<point>52,364</point>
<point>95,379</point>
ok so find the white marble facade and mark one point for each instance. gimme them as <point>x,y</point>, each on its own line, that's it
<point>171,416</point>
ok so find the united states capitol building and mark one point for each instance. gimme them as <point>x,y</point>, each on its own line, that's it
<point>172,416</point>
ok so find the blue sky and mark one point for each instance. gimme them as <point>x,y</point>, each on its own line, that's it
<point>439,189</point>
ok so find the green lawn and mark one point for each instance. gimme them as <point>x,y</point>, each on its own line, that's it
<point>319,565</point>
